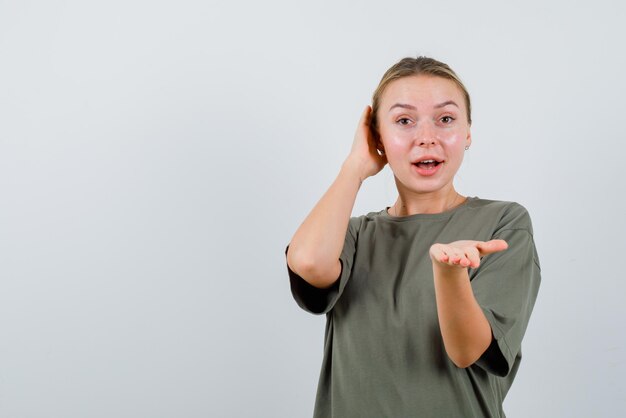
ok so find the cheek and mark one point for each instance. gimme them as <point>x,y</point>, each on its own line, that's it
<point>394,144</point>
<point>454,142</point>
<point>396,153</point>
<point>452,138</point>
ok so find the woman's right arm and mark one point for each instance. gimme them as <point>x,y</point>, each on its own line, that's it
<point>317,244</point>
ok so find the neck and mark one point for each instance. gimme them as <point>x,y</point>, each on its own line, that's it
<point>411,203</point>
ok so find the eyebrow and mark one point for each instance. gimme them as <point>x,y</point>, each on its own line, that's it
<point>408,106</point>
<point>403,106</point>
<point>446,103</point>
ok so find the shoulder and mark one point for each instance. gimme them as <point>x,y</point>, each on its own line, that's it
<point>369,217</point>
<point>357,223</point>
<point>360,223</point>
<point>507,215</point>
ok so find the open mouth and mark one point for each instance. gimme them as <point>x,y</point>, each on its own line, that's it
<point>427,164</point>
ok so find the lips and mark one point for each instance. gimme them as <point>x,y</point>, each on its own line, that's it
<point>427,165</point>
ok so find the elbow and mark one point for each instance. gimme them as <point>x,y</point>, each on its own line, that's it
<point>312,271</point>
<point>463,360</point>
<point>464,352</point>
<point>462,363</point>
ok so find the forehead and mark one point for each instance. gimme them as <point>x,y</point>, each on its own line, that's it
<point>424,89</point>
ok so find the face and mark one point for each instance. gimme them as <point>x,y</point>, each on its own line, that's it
<point>422,121</point>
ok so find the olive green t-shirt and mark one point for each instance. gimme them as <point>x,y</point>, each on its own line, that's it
<point>383,351</point>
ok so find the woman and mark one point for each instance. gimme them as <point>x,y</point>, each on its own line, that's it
<point>426,301</point>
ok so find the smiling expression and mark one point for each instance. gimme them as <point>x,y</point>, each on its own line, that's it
<point>423,126</point>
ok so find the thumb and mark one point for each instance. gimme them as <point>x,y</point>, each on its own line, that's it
<point>493,246</point>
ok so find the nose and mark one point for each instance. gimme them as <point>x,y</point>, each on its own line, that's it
<point>426,136</point>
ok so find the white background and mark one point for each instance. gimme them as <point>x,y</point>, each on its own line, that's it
<point>157,156</point>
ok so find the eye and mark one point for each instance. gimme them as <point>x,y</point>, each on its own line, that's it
<point>447,119</point>
<point>404,121</point>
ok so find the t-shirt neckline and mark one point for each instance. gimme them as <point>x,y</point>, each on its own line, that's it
<point>423,216</point>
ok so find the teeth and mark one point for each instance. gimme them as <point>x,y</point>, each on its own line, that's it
<point>427,161</point>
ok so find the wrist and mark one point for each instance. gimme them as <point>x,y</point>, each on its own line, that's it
<point>449,271</point>
<point>352,168</point>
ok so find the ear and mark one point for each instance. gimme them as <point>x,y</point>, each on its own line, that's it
<point>379,144</point>
<point>468,140</point>
<point>376,137</point>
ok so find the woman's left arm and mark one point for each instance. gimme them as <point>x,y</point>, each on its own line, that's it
<point>465,330</point>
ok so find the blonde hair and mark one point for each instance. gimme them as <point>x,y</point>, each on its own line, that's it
<point>408,67</point>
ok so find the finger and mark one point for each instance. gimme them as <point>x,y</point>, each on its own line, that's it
<point>438,253</point>
<point>361,136</point>
<point>473,255</point>
<point>461,258</point>
<point>456,257</point>
<point>464,262</point>
<point>365,116</point>
<point>493,246</point>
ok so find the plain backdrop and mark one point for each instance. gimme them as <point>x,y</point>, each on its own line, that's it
<point>157,156</point>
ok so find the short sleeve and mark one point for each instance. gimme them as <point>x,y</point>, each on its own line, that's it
<point>321,301</point>
<point>506,286</point>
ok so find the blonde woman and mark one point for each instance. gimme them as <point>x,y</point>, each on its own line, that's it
<point>426,301</point>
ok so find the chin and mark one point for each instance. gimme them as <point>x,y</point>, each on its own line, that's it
<point>422,186</point>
